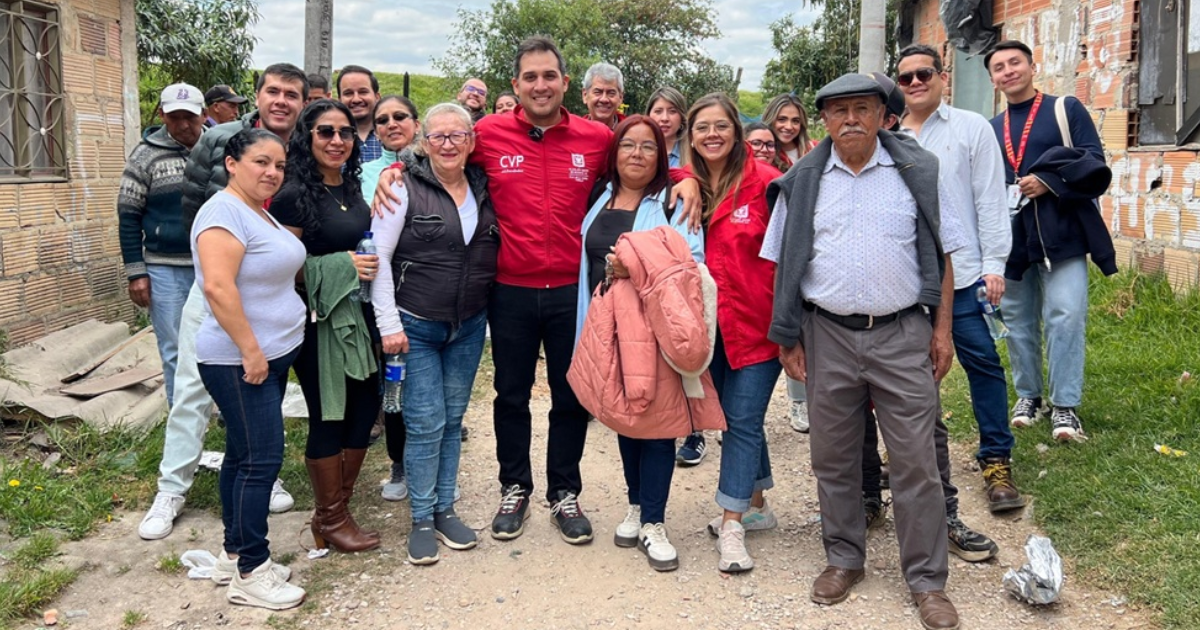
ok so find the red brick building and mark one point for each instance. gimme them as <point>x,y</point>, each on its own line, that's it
<point>1128,62</point>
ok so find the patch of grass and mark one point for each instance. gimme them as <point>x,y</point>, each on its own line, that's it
<point>133,619</point>
<point>27,585</point>
<point>170,564</point>
<point>286,559</point>
<point>1124,514</point>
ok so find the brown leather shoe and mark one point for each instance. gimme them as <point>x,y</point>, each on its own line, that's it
<point>1002,494</point>
<point>937,613</point>
<point>833,585</point>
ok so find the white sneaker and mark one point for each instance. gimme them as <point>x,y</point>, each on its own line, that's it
<point>396,488</point>
<point>732,547</point>
<point>281,500</point>
<point>627,530</point>
<point>226,567</point>
<point>652,540</point>
<point>799,416</point>
<point>160,519</point>
<point>757,519</point>
<point>264,589</point>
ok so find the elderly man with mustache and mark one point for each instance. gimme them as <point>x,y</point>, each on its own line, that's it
<point>863,300</point>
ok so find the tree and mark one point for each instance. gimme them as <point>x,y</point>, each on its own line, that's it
<point>200,42</point>
<point>654,43</point>
<point>808,57</point>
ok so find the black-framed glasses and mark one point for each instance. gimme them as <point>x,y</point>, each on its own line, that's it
<point>399,117</point>
<point>924,74</point>
<point>759,145</point>
<point>456,138</point>
<point>327,132</point>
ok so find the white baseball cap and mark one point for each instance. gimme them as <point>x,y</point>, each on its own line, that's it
<point>182,96</point>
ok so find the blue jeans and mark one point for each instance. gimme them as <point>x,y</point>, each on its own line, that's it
<point>442,361</point>
<point>649,466</point>
<point>253,453</point>
<point>989,392</point>
<point>1057,299</point>
<point>744,395</point>
<point>169,287</point>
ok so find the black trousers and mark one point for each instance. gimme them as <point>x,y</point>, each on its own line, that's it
<point>524,321</point>
<point>328,437</point>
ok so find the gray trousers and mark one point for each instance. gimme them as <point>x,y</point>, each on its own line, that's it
<point>890,365</point>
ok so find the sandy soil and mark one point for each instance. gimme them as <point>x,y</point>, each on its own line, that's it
<point>538,581</point>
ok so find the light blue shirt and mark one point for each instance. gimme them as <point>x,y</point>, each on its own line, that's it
<point>972,173</point>
<point>864,258</point>
<point>371,171</point>
<point>649,216</point>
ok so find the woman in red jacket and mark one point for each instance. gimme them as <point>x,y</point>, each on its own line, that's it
<point>745,363</point>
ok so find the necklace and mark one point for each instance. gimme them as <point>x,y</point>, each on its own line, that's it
<point>340,202</point>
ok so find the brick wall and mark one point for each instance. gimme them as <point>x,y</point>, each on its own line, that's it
<point>60,261</point>
<point>1088,49</point>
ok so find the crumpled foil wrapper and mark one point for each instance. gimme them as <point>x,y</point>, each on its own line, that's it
<point>1040,580</point>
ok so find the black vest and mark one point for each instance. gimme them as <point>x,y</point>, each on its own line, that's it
<point>437,275</point>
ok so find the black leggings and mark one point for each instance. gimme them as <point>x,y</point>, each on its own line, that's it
<point>328,438</point>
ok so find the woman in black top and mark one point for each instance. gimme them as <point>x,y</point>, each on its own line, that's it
<point>321,202</point>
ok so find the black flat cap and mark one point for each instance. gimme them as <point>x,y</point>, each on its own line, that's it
<point>851,85</point>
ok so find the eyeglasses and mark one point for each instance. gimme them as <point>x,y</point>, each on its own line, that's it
<point>759,145</point>
<point>924,74</point>
<point>703,128</point>
<point>396,116</point>
<point>627,147</point>
<point>457,138</point>
<point>327,132</point>
<point>474,90</point>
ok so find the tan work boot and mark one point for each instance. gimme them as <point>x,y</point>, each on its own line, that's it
<point>1002,494</point>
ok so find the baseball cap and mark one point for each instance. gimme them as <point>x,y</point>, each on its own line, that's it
<point>181,96</point>
<point>220,93</point>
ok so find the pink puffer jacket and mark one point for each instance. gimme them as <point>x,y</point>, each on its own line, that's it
<point>641,366</point>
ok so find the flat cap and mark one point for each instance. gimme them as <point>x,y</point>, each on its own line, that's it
<point>852,84</point>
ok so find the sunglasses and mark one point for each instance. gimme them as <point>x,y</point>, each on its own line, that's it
<point>396,116</point>
<point>474,90</point>
<point>327,132</point>
<point>924,74</point>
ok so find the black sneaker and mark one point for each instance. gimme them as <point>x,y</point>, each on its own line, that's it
<point>1066,424</point>
<point>465,434</point>
<point>573,526</point>
<point>969,544</point>
<point>1026,412</point>
<point>692,451</point>
<point>875,509</point>
<point>509,521</point>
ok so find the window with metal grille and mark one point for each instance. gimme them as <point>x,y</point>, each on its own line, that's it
<point>31,93</point>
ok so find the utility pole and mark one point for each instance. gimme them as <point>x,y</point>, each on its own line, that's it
<point>872,36</point>
<point>318,37</point>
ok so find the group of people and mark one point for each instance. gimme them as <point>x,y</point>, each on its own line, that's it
<point>854,264</point>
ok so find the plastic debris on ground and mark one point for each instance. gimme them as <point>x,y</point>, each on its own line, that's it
<point>200,563</point>
<point>212,460</point>
<point>1040,580</point>
<point>1167,450</point>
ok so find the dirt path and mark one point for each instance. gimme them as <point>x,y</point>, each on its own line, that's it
<point>538,581</point>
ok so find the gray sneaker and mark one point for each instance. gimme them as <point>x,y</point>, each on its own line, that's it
<point>396,489</point>
<point>422,543</point>
<point>452,532</point>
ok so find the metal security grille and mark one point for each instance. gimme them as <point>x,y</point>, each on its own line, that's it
<point>31,93</point>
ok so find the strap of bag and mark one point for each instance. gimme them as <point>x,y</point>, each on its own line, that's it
<point>1064,125</point>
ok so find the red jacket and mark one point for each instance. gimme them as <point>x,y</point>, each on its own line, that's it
<point>540,188</point>
<point>641,366</point>
<point>745,282</point>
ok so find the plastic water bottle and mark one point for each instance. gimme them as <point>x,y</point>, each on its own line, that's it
<point>365,246</point>
<point>394,368</point>
<point>991,313</point>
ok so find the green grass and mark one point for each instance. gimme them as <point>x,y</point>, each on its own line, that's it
<point>1124,515</point>
<point>27,584</point>
<point>170,564</point>
<point>425,90</point>
<point>133,619</point>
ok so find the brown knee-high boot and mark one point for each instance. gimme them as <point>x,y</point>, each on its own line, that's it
<point>331,523</point>
<point>352,462</point>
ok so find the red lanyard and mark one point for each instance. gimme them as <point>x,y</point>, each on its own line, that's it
<point>1015,159</point>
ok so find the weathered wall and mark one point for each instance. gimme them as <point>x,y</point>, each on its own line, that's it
<point>60,261</point>
<point>1089,48</point>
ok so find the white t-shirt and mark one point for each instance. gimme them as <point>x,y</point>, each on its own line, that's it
<point>266,282</point>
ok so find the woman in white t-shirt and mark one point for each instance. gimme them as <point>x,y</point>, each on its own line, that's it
<point>246,264</point>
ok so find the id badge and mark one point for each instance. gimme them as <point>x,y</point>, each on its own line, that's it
<point>1014,197</point>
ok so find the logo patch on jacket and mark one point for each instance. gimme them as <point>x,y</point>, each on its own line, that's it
<point>512,163</point>
<point>740,215</point>
<point>579,171</point>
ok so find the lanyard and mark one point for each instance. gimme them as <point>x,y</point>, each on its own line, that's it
<point>1015,159</point>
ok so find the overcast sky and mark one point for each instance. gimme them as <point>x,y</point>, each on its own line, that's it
<point>404,36</point>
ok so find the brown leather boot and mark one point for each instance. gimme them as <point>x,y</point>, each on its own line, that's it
<point>352,461</point>
<point>1002,494</point>
<point>331,525</point>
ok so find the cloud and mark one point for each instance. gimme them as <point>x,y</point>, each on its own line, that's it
<point>404,37</point>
